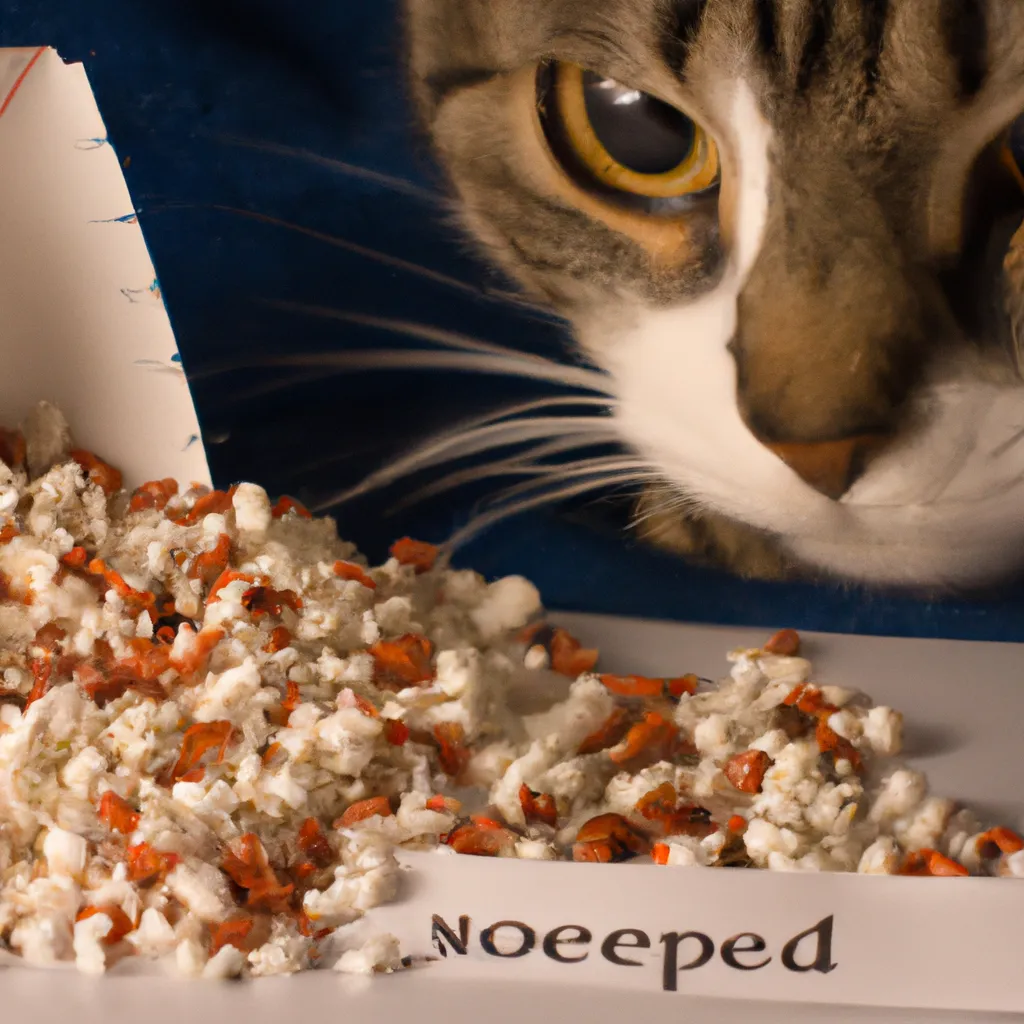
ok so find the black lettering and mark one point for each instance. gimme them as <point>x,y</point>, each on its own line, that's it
<point>672,941</point>
<point>614,940</point>
<point>823,958</point>
<point>528,934</point>
<point>554,938</point>
<point>440,929</point>
<point>731,948</point>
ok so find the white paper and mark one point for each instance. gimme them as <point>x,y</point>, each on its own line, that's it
<point>83,324</point>
<point>879,941</point>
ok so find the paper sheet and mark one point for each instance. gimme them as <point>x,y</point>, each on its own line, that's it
<point>83,324</point>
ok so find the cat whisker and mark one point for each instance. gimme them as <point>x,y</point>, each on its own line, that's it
<point>415,359</point>
<point>482,522</point>
<point>602,466</point>
<point>351,170</point>
<point>520,465</point>
<point>449,447</point>
<point>680,503</point>
<point>556,445</point>
<point>421,332</point>
<point>504,298</point>
<point>1008,444</point>
<point>361,250</point>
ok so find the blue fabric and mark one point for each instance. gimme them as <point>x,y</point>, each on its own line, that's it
<point>203,100</point>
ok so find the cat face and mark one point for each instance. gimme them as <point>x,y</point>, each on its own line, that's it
<point>787,229</point>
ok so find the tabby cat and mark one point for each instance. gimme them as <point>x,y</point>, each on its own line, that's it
<point>788,232</point>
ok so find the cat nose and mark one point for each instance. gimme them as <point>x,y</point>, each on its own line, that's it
<point>830,467</point>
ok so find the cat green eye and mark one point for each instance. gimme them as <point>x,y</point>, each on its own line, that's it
<point>627,140</point>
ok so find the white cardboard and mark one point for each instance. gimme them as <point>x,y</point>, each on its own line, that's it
<point>927,944</point>
<point>84,327</point>
<point>83,324</point>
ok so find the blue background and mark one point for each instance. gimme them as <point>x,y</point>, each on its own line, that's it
<point>226,114</point>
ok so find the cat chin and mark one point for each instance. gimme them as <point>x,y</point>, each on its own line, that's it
<point>973,563</point>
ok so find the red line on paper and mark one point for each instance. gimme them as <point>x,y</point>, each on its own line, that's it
<point>20,79</point>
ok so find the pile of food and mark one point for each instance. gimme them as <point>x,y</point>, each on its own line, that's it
<point>217,723</point>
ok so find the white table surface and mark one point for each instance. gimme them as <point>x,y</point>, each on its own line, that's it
<point>964,704</point>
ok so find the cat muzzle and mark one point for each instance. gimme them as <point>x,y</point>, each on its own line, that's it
<point>830,467</point>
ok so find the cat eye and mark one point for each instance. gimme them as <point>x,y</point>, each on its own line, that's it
<point>623,140</point>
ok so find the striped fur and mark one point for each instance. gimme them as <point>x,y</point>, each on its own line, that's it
<point>849,279</point>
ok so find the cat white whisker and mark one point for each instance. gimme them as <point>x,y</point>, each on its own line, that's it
<point>480,523</point>
<point>351,170</point>
<point>413,359</point>
<point>433,335</point>
<point>609,465</point>
<point>457,445</point>
<point>365,251</point>
<point>521,465</point>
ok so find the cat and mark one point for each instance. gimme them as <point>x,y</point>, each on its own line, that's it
<point>790,233</point>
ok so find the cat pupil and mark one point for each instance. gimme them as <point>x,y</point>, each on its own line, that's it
<point>640,132</point>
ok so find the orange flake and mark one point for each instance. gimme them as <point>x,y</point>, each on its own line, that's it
<point>121,923</point>
<point>933,864</point>
<point>405,661</point>
<point>102,474</point>
<point>247,865</point>
<point>214,501</point>
<point>119,815</point>
<point>199,739</point>
<point>314,843</point>
<point>196,657</point>
<point>481,838</point>
<point>786,643</point>
<point>453,755</point>
<point>351,571</point>
<point>608,734</point>
<point>537,806</point>
<point>76,558</point>
<point>444,804</point>
<point>655,738</point>
<point>396,732</point>
<point>606,839</point>
<point>146,864</point>
<point>153,494</point>
<point>285,505</point>
<point>280,638</point>
<point>417,553</point>
<point>209,565</point>
<point>569,657</point>
<point>746,771</point>
<point>363,809</point>
<point>263,600</point>
<point>999,840</point>
<point>234,932</point>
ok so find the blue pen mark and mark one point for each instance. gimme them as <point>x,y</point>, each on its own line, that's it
<point>176,358</point>
<point>127,218</point>
<point>192,439</point>
<point>86,144</point>
<point>150,294</point>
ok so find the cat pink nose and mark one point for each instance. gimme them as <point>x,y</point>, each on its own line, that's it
<point>830,467</point>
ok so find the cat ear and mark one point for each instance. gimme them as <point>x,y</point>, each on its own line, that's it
<point>1013,283</point>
